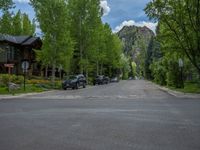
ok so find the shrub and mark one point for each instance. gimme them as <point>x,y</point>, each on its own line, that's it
<point>6,78</point>
<point>38,81</point>
<point>90,80</point>
<point>158,72</point>
<point>18,79</point>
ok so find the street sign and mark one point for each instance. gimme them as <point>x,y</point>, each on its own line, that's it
<point>180,62</point>
<point>9,65</point>
<point>25,65</point>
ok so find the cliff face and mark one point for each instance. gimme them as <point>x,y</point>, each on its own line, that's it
<point>135,40</point>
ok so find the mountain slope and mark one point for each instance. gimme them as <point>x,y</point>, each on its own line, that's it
<point>135,39</point>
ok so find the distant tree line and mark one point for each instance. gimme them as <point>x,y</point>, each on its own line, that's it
<point>15,24</point>
<point>74,37</point>
<point>76,40</point>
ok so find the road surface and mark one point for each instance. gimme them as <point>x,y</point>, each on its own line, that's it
<point>130,115</point>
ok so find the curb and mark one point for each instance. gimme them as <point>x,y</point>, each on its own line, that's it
<point>177,93</point>
<point>3,97</point>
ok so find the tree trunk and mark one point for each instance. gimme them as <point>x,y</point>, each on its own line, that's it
<point>81,58</point>
<point>97,63</point>
<point>110,71</point>
<point>199,79</point>
<point>60,74</point>
<point>87,75</point>
<point>101,69</point>
<point>53,74</point>
<point>46,72</point>
<point>81,45</point>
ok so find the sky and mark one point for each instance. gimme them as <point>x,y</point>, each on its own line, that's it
<point>117,13</point>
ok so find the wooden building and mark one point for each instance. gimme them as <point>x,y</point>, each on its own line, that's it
<point>16,49</point>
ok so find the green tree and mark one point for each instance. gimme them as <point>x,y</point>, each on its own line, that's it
<point>5,5</point>
<point>125,67</point>
<point>85,20</point>
<point>181,18</point>
<point>28,27</point>
<point>53,18</point>
<point>149,59</point>
<point>167,56</point>
<point>6,23</point>
<point>17,24</point>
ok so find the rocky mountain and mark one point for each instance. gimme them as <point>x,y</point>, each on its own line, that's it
<point>135,39</point>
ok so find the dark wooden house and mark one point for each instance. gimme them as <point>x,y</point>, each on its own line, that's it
<point>15,49</point>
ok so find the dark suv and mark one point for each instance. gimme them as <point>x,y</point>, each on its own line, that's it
<point>74,82</point>
<point>101,79</point>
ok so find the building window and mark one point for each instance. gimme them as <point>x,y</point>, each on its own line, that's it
<point>2,54</point>
<point>11,53</point>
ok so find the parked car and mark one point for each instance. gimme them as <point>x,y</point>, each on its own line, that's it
<point>74,82</point>
<point>114,79</point>
<point>101,79</point>
<point>106,79</point>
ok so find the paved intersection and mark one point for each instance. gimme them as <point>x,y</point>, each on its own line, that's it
<point>130,115</point>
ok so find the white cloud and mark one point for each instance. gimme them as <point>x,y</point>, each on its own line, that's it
<point>21,1</point>
<point>106,8</point>
<point>150,25</point>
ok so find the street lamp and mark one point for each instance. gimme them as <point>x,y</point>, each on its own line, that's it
<point>180,63</point>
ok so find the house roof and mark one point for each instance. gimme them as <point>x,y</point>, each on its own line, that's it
<point>30,41</point>
<point>21,40</point>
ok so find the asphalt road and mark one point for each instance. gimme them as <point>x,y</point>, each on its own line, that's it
<point>130,115</point>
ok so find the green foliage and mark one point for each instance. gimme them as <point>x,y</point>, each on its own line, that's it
<point>173,74</point>
<point>57,47</point>
<point>133,69</point>
<point>137,45</point>
<point>149,59</point>
<point>179,26</point>
<point>189,87</point>
<point>124,63</point>
<point>29,89</point>
<point>159,72</point>
<point>6,5</point>
<point>97,49</point>
<point>28,27</point>
<point>19,24</point>
<point>177,37</point>
<point>6,23</point>
<point>76,40</point>
<point>6,78</point>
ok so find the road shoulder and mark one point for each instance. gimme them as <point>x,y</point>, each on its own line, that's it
<point>10,96</point>
<point>176,93</point>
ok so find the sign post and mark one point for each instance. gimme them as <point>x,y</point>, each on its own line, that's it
<point>9,66</point>
<point>180,63</point>
<point>25,66</point>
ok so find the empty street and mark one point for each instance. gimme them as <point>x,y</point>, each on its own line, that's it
<point>129,115</point>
